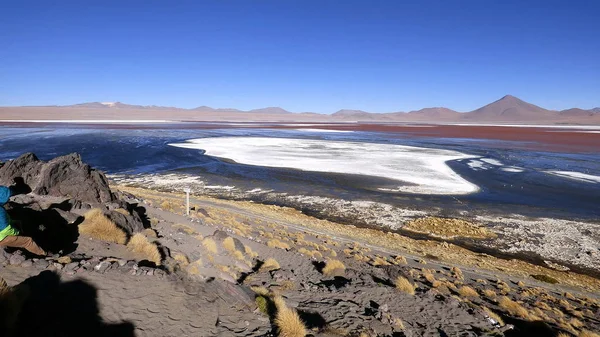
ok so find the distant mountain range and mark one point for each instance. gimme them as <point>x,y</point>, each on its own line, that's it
<point>508,109</point>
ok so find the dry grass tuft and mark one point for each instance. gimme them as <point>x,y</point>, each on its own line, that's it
<point>448,228</point>
<point>98,226</point>
<point>379,261</point>
<point>229,244</point>
<point>181,258</point>
<point>513,307</point>
<point>140,245</point>
<point>250,252</point>
<point>542,305</point>
<point>333,267</point>
<point>545,278</point>
<point>210,245</point>
<point>494,316</point>
<point>122,211</point>
<point>287,320</point>
<point>400,260</point>
<point>194,267</point>
<point>304,251</point>
<point>428,275</point>
<point>185,228</point>
<point>466,291</point>
<point>275,243</point>
<point>587,333</point>
<point>404,285</point>
<point>270,264</point>
<point>398,324</point>
<point>150,233</point>
<point>238,255</point>
<point>457,273</point>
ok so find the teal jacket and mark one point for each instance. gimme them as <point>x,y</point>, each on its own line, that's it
<point>5,228</point>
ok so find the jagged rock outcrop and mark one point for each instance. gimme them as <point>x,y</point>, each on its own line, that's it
<point>62,176</point>
<point>131,223</point>
<point>53,197</point>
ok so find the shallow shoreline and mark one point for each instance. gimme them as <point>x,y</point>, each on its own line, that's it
<point>426,247</point>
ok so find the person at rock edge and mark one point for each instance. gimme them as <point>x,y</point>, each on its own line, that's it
<point>9,236</point>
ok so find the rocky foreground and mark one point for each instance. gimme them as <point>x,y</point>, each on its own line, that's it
<point>130,262</point>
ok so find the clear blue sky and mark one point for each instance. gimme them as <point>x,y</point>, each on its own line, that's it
<point>302,55</point>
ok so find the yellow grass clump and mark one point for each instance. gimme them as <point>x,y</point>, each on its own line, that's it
<point>587,333</point>
<point>150,233</point>
<point>269,264</point>
<point>210,245</point>
<point>493,316</point>
<point>448,228</point>
<point>98,226</point>
<point>333,267</point>
<point>378,261</point>
<point>181,258</point>
<point>187,229</point>
<point>400,260</point>
<point>513,307</point>
<point>140,245</point>
<point>250,252</point>
<point>428,275</point>
<point>466,291</point>
<point>229,244</point>
<point>287,320</point>
<point>404,285</point>
<point>304,251</point>
<point>457,273</point>
<point>275,243</point>
<point>122,211</point>
<point>238,255</point>
<point>489,293</point>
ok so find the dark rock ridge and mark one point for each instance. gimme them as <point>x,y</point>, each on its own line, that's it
<point>54,196</point>
<point>61,176</point>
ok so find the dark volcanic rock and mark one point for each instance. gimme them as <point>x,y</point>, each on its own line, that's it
<point>69,217</point>
<point>41,264</point>
<point>27,166</point>
<point>131,223</point>
<point>220,236</point>
<point>61,176</point>
<point>68,175</point>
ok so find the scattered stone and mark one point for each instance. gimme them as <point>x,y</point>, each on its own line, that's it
<point>86,265</point>
<point>122,263</point>
<point>16,259</point>
<point>27,264</point>
<point>102,267</point>
<point>57,266</point>
<point>41,264</point>
<point>71,266</point>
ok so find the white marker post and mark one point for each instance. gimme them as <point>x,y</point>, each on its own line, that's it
<point>187,200</point>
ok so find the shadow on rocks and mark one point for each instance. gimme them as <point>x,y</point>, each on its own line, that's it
<point>48,228</point>
<point>55,308</point>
